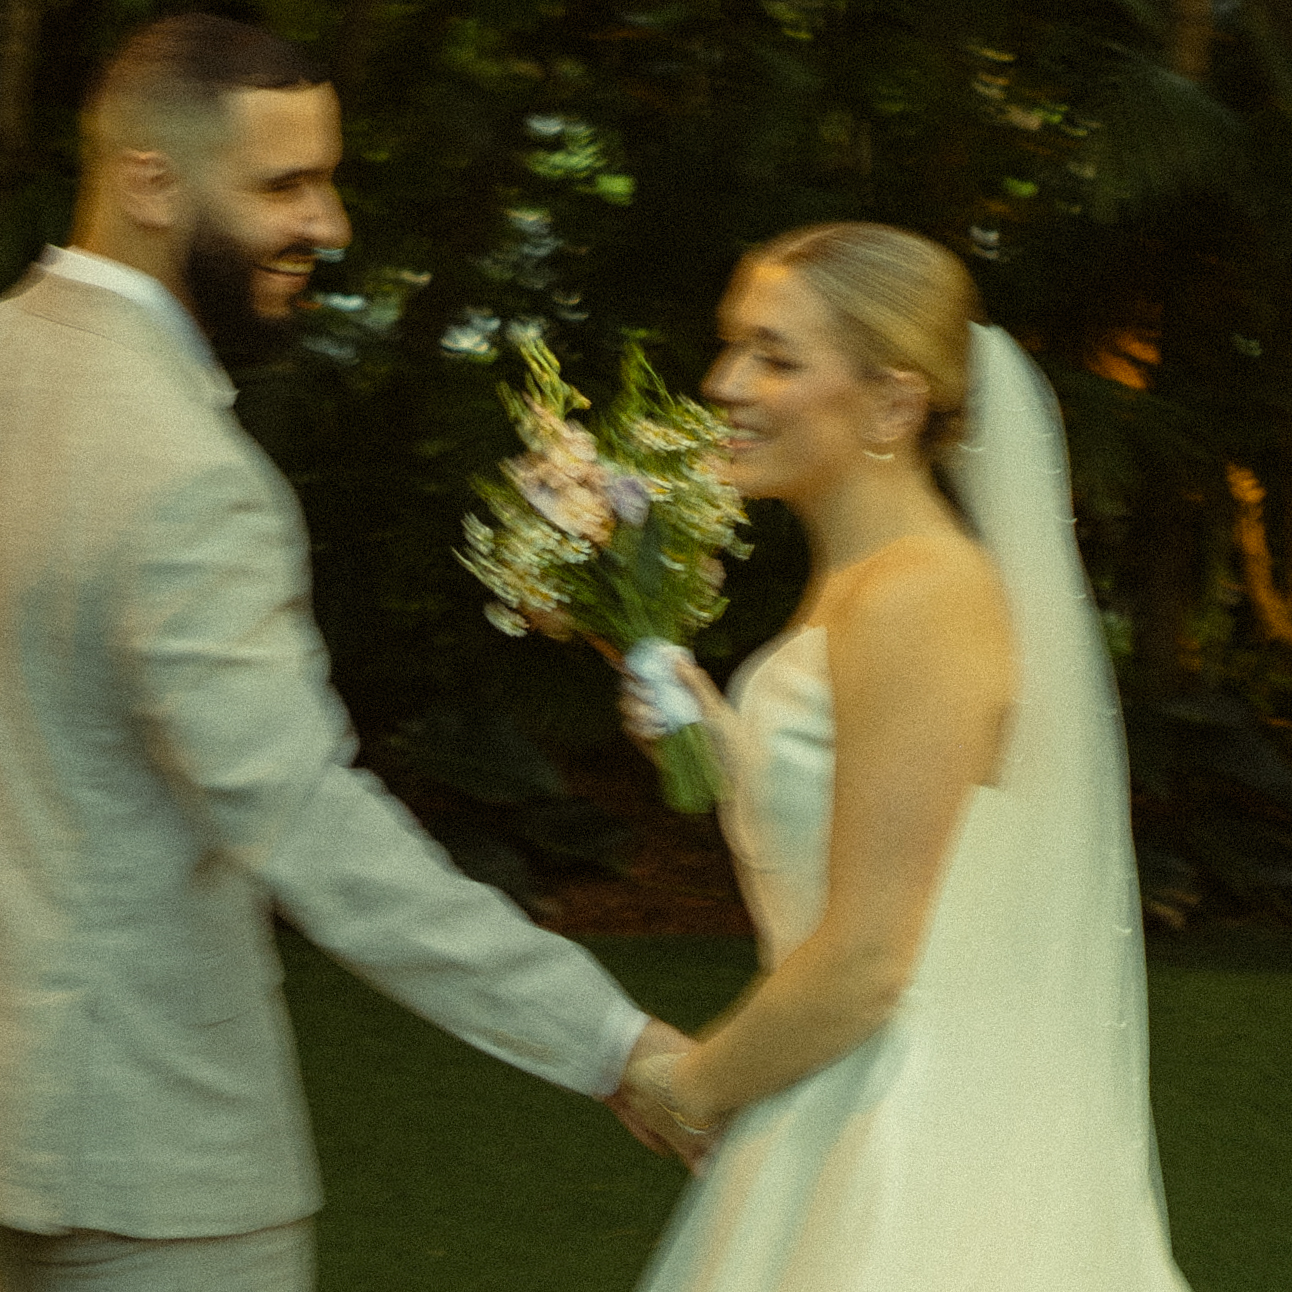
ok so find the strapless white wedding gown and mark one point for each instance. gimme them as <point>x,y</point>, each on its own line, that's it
<point>995,1135</point>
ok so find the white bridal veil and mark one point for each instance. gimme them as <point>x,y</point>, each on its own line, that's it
<point>1047,912</point>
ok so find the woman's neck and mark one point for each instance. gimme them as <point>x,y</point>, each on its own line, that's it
<point>865,511</point>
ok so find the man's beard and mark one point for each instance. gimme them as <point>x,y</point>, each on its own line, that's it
<point>218,276</point>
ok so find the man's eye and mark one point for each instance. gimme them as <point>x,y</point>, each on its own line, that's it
<point>776,363</point>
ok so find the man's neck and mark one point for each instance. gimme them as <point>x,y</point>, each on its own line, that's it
<point>137,249</point>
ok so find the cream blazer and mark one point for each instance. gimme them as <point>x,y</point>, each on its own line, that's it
<point>173,768</point>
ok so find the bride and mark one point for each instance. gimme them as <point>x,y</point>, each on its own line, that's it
<point>939,1080</point>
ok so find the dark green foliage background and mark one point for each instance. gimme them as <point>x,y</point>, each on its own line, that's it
<point>601,165</point>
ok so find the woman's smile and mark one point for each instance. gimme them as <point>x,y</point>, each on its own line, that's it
<point>795,402</point>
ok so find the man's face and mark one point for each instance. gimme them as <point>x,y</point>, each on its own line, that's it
<point>263,203</point>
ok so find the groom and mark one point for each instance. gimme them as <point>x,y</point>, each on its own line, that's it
<point>173,764</point>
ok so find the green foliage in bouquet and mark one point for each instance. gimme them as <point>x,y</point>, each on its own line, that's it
<point>611,533</point>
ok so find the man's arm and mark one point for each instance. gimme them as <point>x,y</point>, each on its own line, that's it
<point>228,677</point>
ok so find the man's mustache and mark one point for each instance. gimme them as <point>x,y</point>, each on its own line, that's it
<point>296,251</point>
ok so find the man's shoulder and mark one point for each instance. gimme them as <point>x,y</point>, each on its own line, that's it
<point>87,366</point>
<point>40,294</point>
<point>91,345</point>
<point>66,320</point>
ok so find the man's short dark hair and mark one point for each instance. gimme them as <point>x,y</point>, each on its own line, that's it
<point>165,87</point>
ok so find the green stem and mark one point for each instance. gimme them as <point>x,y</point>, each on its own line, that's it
<point>690,776</point>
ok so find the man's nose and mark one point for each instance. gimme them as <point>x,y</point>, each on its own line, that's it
<point>329,226</point>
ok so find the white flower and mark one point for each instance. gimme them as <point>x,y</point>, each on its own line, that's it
<point>656,438</point>
<point>479,535</point>
<point>506,620</point>
<point>629,496</point>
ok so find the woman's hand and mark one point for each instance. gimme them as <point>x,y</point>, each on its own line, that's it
<point>643,1102</point>
<point>645,721</point>
<point>651,1109</point>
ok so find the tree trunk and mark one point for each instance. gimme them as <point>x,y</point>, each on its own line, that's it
<point>1268,28</point>
<point>354,45</point>
<point>1166,556</point>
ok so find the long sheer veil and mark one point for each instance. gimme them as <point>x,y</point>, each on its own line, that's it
<point>1035,957</point>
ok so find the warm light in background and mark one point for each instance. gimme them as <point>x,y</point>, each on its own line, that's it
<point>1126,356</point>
<point>1258,565</point>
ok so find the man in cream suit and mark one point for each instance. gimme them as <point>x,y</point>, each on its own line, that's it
<point>173,765</point>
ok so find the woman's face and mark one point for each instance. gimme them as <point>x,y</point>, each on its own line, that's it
<point>799,410</point>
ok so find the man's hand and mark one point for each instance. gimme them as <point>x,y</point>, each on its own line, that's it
<point>636,1105</point>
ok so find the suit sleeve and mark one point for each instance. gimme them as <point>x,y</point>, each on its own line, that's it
<point>227,675</point>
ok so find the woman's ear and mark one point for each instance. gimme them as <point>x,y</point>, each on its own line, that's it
<point>902,408</point>
<point>150,191</point>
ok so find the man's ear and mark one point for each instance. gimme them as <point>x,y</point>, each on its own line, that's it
<point>903,408</point>
<point>150,190</point>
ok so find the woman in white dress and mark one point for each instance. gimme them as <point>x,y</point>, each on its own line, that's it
<point>939,1080</point>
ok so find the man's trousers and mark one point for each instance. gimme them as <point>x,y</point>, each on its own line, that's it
<point>280,1259</point>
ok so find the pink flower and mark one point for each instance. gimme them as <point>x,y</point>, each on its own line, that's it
<point>713,572</point>
<point>569,503</point>
<point>574,453</point>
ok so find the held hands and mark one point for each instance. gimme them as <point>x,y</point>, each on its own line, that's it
<point>644,1101</point>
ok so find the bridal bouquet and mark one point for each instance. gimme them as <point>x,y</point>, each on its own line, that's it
<point>613,533</point>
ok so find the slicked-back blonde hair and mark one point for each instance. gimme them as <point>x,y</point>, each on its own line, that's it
<point>165,88</point>
<point>900,301</point>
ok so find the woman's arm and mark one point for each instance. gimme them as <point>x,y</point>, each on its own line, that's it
<point>921,673</point>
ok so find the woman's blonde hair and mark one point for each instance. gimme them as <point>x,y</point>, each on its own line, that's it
<point>901,302</point>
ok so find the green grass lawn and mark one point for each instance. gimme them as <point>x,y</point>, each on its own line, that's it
<point>447,1170</point>
<point>1220,1013</point>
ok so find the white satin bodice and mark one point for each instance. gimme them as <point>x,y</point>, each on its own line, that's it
<point>777,818</point>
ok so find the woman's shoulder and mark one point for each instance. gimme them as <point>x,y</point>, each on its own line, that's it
<point>923,607</point>
<point>950,572</point>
